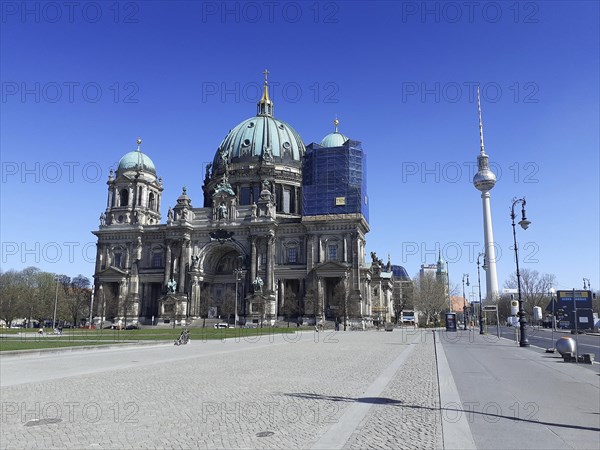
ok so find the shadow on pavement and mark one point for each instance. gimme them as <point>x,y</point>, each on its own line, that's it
<point>396,402</point>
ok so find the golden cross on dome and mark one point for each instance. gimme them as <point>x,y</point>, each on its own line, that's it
<point>266,74</point>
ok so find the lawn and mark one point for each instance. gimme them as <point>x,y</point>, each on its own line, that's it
<point>78,337</point>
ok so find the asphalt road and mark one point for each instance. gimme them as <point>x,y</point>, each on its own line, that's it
<point>542,337</point>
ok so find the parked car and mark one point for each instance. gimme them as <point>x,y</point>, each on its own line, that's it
<point>221,325</point>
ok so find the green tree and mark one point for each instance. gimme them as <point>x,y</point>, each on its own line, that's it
<point>12,296</point>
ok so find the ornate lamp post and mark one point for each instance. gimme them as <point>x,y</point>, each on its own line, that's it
<point>91,308</point>
<point>552,299</point>
<point>465,275</point>
<point>479,286</point>
<point>523,342</point>
<point>56,278</point>
<point>588,284</point>
<point>238,277</point>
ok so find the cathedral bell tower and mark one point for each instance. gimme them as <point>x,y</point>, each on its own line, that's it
<point>134,192</point>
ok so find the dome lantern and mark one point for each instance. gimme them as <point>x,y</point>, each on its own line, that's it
<point>265,104</point>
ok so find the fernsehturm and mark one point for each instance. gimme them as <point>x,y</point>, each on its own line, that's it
<point>484,180</point>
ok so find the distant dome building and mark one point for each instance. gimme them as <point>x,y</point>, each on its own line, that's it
<point>264,229</point>
<point>400,273</point>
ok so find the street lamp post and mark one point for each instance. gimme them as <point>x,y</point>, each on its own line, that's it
<point>465,275</point>
<point>448,286</point>
<point>91,309</point>
<point>552,294</point>
<point>57,278</point>
<point>586,287</point>
<point>523,342</point>
<point>101,290</point>
<point>238,278</point>
<point>479,287</point>
<point>126,300</point>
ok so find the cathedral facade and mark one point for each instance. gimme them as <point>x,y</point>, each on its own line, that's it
<point>281,233</point>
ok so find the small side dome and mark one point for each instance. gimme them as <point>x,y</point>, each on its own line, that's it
<point>136,160</point>
<point>400,272</point>
<point>335,139</point>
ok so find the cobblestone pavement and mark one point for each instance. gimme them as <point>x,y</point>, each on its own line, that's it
<point>408,414</point>
<point>369,389</point>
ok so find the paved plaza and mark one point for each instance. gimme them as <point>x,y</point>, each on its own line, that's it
<point>345,390</point>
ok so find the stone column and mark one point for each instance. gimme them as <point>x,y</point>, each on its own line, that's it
<point>270,262</point>
<point>182,262</point>
<point>252,258</point>
<point>356,261</point>
<point>281,293</point>
<point>109,199</point>
<point>319,249</point>
<point>167,265</point>
<point>345,248</point>
<point>98,258</point>
<point>309,252</point>
<point>320,313</point>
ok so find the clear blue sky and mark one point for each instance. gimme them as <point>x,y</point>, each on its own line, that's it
<point>80,83</point>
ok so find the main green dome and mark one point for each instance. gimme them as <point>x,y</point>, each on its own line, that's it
<point>136,160</point>
<point>261,138</point>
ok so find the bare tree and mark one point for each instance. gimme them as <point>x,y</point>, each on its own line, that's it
<point>227,307</point>
<point>402,294</point>
<point>503,307</point>
<point>205,300</point>
<point>342,304</point>
<point>535,288</point>
<point>290,306</point>
<point>430,296</point>
<point>311,306</point>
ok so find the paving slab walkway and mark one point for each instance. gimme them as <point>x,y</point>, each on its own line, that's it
<point>515,397</point>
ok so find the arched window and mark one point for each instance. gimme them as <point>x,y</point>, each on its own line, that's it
<point>118,258</point>
<point>332,252</point>
<point>124,197</point>
<point>139,199</point>
<point>151,201</point>
<point>157,259</point>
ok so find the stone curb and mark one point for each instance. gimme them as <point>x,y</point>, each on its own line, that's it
<point>44,351</point>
